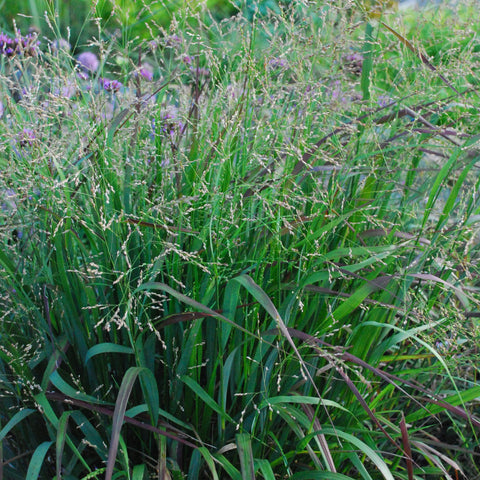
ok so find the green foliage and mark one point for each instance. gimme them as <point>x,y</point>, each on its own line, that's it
<point>257,259</point>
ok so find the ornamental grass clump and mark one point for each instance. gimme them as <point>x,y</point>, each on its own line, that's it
<point>242,249</point>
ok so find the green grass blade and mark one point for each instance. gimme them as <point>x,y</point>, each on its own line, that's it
<point>36,462</point>
<point>454,193</point>
<point>15,420</point>
<point>108,348</point>
<point>352,302</point>
<point>266,303</point>
<point>314,475</point>
<point>244,446</point>
<point>138,472</point>
<point>68,390</point>
<point>362,446</point>
<point>209,401</point>
<point>265,468</point>
<point>367,64</point>
<point>119,414</point>
<point>469,395</point>
<point>193,303</point>
<point>60,443</point>
<point>437,185</point>
<point>209,461</point>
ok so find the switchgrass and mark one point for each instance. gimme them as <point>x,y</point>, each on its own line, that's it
<point>261,263</point>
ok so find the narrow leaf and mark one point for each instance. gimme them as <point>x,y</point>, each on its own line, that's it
<point>118,416</point>
<point>406,447</point>
<point>37,460</point>
<point>15,420</point>
<point>244,446</point>
<point>106,348</point>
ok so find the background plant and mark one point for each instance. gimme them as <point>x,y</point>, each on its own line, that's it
<point>248,250</point>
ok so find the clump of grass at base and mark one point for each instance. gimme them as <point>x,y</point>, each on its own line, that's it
<point>231,265</point>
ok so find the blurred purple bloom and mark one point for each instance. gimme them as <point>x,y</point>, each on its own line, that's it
<point>337,94</point>
<point>384,100</point>
<point>68,90</point>
<point>27,137</point>
<point>171,125</point>
<point>200,72</point>
<point>2,109</point>
<point>353,62</point>
<point>146,71</point>
<point>27,45</point>
<point>60,44</point>
<point>88,61</point>
<point>107,112</point>
<point>110,85</point>
<point>153,44</point>
<point>82,76</point>
<point>277,63</point>
<point>187,60</point>
<point>172,41</point>
<point>8,204</point>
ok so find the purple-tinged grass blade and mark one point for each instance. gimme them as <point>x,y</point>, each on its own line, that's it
<point>406,447</point>
<point>119,414</point>
<point>435,456</point>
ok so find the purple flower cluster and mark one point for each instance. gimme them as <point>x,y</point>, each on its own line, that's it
<point>145,71</point>
<point>170,124</point>
<point>88,61</point>
<point>277,63</point>
<point>27,137</point>
<point>110,85</point>
<point>60,44</point>
<point>200,72</point>
<point>27,45</point>
<point>353,62</point>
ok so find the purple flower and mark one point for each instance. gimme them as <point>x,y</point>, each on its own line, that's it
<point>8,204</point>
<point>153,44</point>
<point>27,45</point>
<point>107,112</point>
<point>200,72</point>
<point>146,71</point>
<point>337,93</point>
<point>170,123</point>
<point>187,60</point>
<point>172,41</point>
<point>110,85</point>
<point>68,90</point>
<point>60,44</point>
<point>88,61</point>
<point>353,62</point>
<point>82,76</point>
<point>27,137</point>
<point>2,109</point>
<point>384,101</point>
<point>277,63</point>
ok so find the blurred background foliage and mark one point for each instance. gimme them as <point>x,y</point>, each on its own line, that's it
<point>82,20</point>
